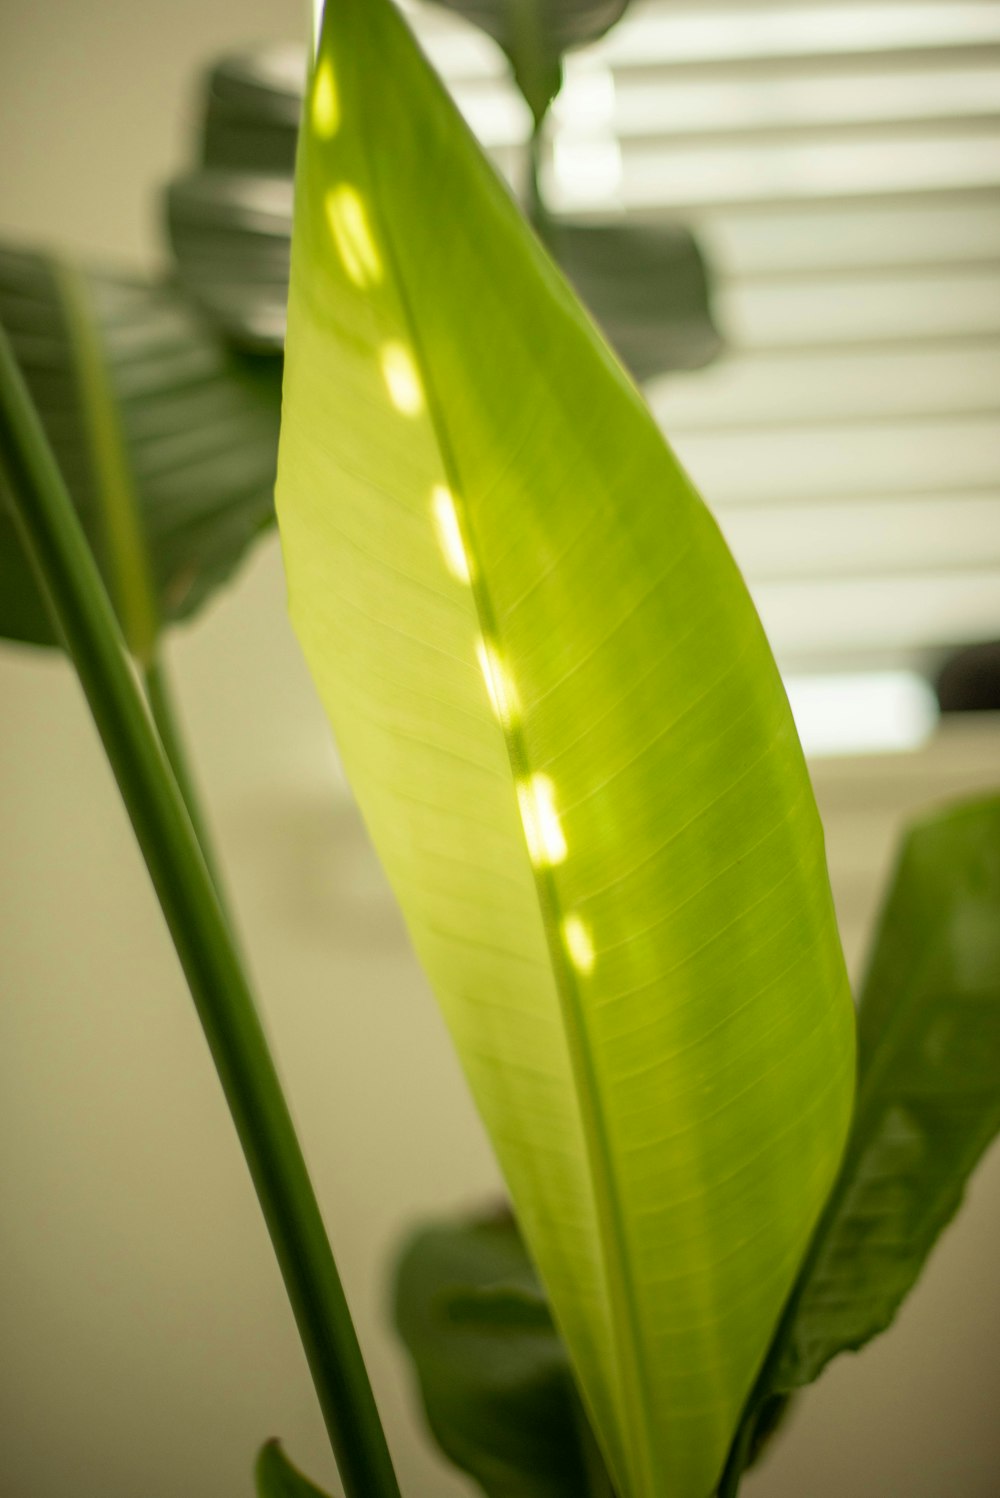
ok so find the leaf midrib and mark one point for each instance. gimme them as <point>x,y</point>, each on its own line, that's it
<point>634,1402</point>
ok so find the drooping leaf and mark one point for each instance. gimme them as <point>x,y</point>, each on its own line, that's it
<point>574,754</point>
<point>275,1477</point>
<point>648,287</point>
<point>929,1088</point>
<point>230,228</point>
<point>535,34</point>
<point>166,441</point>
<point>493,1373</point>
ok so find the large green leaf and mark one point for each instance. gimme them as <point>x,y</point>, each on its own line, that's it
<point>230,222</point>
<point>535,34</point>
<point>929,1088</point>
<point>493,1373</point>
<point>167,442</point>
<point>573,751</point>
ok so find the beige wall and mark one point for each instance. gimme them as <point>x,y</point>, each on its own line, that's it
<point>147,1348</point>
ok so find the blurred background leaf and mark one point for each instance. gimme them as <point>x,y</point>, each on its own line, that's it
<point>167,440</point>
<point>229,222</point>
<point>230,219</point>
<point>493,1374</point>
<point>647,285</point>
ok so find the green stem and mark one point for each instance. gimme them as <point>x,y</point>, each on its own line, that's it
<point>204,945</point>
<point>536,204</point>
<point>160,699</point>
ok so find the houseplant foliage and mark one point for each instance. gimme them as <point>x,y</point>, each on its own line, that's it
<point>571,745</point>
<point>574,753</point>
<point>495,1381</point>
<point>229,217</point>
<point>165,437</point>
<point>928,1106</point>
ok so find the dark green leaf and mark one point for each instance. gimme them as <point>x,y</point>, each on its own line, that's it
<point>535,34</point>
<point>251,113</point>
<point>167,442</point>
<point>929,1088</point>
<point>275,1477</point>
<point>493,1373</point>
<point>230,220</point>
<point>769,1421</point>
<point>648,287</point>
<point>230,224</point>
<point>231,234</point>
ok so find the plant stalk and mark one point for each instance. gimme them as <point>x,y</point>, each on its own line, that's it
<point>184,886</point>
<point>161,706</point>
<point>537,212</point>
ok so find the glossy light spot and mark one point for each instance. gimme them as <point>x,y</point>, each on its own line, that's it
<point>579,943</point>
<point>348,220</point>
<point>542,828</point>
<point>325,108</point>
<point>499,683</point>
<point>449,534</point>
<point>401,379</point>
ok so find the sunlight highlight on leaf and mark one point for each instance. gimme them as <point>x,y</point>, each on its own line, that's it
<point>325,102</point>
<point>499,684</point>
<point>348,220</point>
<point>401,379</point>
<point>542,827</point>
<point>449,534</point>
<point>579,944</point>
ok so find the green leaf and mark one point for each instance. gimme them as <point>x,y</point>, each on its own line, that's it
<point>166,441</point>
<point>251,111</point>
<point>493,1373</point>
<point>929,1088</point>
<point>231,235</point>
<point>573,751</point>
<point>648,287</point>
<point>229,220</point>
<point>535,34</point>
<point>230,228</point>
<point>231,223</point>
<point>275,1477</point>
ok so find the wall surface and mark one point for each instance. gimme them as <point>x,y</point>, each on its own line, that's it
<point>147,1346</point>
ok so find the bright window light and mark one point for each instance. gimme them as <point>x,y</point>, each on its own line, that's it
<point>872,712</point>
